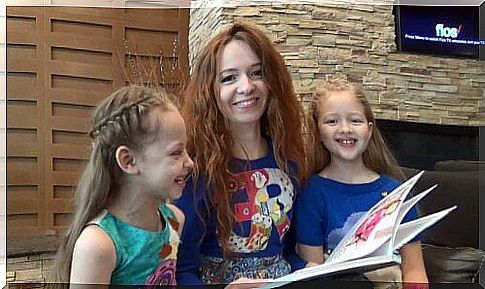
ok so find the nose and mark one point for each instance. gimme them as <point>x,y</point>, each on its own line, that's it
<point>188,163</point>
<point>245,85</point>
<point>345,127</point>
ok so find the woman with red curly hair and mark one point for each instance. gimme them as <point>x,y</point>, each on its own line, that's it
<point>244,124</point>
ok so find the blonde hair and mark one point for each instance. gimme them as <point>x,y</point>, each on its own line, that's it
<point>377,155</point>
<point>210,143</point>
<point>120,119</point>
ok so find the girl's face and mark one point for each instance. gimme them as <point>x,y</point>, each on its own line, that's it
<point>164,163</point>
<point>343,127</point>
<point>243,91</point>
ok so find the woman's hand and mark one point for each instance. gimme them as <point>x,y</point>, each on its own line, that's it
<point>311,264</point>
<point>246,283</point>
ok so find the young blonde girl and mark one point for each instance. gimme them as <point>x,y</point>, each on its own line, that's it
<point>122,231</point>
<point>353,169</point>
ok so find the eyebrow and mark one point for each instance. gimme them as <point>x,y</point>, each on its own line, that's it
<point>234,69</point>
<point>351,114</point>
<point>176,145</point>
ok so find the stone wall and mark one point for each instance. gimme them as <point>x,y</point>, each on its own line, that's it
<point>35,268</point>
<point>357,42</point>
<point>204,22</point>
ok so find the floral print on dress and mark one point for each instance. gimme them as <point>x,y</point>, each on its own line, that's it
<point>163,275</point>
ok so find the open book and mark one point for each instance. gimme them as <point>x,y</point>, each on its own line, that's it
<point>374,239</point>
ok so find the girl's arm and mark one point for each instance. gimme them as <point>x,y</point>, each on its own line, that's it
<point>312,254</point>
<point>412,267</point>
<point>310,223</point>
<point>94,257</point>
<point>289,250</point>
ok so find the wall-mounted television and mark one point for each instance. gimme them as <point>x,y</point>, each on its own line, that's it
<point>441,30</point>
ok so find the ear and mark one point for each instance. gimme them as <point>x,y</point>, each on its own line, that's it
<point>126,160</point>
<point>371,127</point>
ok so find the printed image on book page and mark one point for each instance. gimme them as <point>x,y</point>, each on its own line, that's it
<point>373,232</point>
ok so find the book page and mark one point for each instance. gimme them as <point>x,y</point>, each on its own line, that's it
<point>407,231</point>
<point>375,228</point>
<point>325,269</point>
<point>406,206</point>
<point>373,253</point>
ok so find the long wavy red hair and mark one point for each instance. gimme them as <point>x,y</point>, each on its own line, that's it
<point>210,143</point>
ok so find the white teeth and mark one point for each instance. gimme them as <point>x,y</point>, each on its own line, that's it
<point>347,141</point>
<point>182,179</point>
<point>245,103</point>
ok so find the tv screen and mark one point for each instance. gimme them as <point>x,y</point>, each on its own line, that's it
<point>444,30</point>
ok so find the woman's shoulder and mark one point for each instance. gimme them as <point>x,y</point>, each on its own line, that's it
<point>195,190</point>
<point>195,201</point>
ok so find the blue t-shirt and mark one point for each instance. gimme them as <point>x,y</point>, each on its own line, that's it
<point>263,197</point>
<point>328,209</point>
<point>142,256</point>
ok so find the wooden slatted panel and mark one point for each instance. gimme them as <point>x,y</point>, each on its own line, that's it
<point>157,46</point>
<point>61,62</point>
<point>81,74</point>
<point>25,126</point>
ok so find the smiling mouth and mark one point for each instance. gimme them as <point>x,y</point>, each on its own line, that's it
<point>182,179</point>
<point>347,141</point>
<point>247,103</point>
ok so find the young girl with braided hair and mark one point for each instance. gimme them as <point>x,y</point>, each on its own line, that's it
<point>123,232</point>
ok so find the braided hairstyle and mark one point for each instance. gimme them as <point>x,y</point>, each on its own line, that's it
<point>120,119</point>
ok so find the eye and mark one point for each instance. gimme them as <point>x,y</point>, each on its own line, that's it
<point>330,121</point>
<point>257,74</point>
<point>357,120</point>
<point>178,152</point>
<point>228,79</point>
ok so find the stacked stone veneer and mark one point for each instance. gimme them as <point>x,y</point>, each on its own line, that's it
<point>357,42</point>
<point>34,269</point>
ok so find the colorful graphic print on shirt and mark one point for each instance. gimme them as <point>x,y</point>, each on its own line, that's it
<point>165,272</point>
<point>263,197</point>
<point>163,275</point>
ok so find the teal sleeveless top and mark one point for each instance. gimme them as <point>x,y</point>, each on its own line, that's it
<point>142,256</point>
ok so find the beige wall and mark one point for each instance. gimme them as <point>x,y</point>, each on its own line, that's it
<point>357,42</point>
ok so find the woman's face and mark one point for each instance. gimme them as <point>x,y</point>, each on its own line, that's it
<point>243,94</point>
